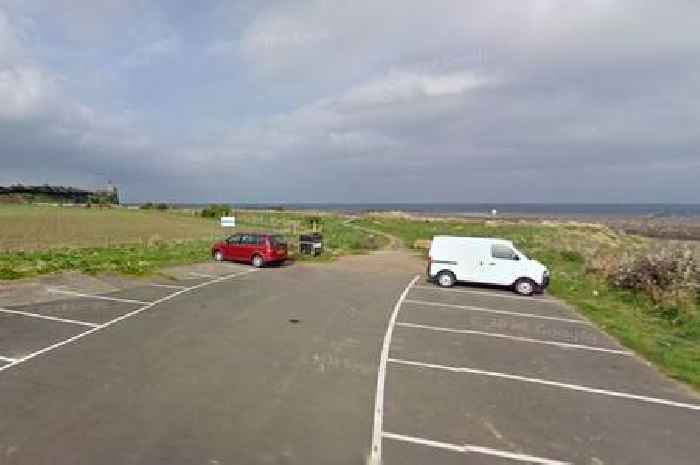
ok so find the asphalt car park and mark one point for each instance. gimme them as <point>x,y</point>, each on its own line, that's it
<point>272,366</point>
<point>322,364</point>
<point>503,379</point>
<point>30,330</point>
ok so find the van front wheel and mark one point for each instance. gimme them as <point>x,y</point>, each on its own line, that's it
<point>446,279</point>
<point>525,286</point>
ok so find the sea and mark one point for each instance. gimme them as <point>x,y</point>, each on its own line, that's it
<point>654,210</point>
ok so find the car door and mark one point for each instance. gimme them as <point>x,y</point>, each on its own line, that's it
<point>232,247</point>
<point>247,246</point>
<point>502,266</point>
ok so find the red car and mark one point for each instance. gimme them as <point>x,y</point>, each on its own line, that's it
<point>259,249</point>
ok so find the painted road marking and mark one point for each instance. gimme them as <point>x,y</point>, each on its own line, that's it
<point>7,359</point>
<point>118,319</point>
<point>491,294</point>
<point>201,275</point>
<point>468,448</point>
<point>546,382</point>
<point>100,297</point>
<point>167,286</point>
<point>47,317</point>
<point>376,452</point>
<point>565,345</point>
<point>499,312</point>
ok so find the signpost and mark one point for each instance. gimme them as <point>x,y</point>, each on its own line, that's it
<point>228,221</point>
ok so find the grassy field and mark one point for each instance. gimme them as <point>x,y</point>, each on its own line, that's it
<point>30,228</point>
<point>39,240</point>
<point>663,334</point>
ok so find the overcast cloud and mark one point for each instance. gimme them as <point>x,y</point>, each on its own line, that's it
<point>369,100</point>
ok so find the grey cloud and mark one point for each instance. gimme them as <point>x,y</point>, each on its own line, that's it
<point>390,101</point>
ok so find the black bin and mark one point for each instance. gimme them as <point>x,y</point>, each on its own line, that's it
<point>311,244</point>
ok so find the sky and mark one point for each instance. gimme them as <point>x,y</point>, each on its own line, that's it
<point>590,101</point>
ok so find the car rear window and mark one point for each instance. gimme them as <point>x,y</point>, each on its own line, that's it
<point>277,240</point>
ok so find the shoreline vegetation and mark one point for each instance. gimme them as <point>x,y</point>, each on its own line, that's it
<point>638,289</point>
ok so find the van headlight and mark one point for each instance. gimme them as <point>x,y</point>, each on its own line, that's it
<point>546,273</point>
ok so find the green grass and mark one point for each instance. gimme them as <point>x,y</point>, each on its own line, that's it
<point>129,259</point>
<point>654,332</point>
<point>338,237</point>
<point>41,240</point>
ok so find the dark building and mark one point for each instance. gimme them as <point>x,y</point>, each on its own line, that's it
<point>19,193</point>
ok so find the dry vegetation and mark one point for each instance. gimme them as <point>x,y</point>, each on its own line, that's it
<point>32,228</point>
<point>678,228</point>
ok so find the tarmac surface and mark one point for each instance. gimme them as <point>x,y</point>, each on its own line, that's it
<point>283,366</point>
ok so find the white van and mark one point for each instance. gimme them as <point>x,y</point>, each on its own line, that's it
<point>486,261</point>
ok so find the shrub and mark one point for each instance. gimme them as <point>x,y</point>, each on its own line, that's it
<point>666,276</point>
<point>571,256</point>
<point>162,206</point>
<point>147,206</point>
<point>216,211</point>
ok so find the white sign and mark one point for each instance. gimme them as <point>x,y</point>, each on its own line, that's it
<point>228,221</point>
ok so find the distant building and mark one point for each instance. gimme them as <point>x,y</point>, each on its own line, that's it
<point>19,193</point>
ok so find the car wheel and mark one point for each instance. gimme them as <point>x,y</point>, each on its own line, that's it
<point>525,286</point>
<point>446,279</point>
<point>219,256</point>
<point>258,261</point>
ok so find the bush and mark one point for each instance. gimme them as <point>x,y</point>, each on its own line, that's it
<point>147,206</point>
<point>216,211</point>
<point>666,276</point>
<point>162,206</point>
<point>571,256</point>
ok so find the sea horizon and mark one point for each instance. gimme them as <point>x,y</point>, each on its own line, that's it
<point>480,208</point>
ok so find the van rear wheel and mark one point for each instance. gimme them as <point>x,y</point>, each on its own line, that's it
<point>525,286</point>
<point>446,279</point>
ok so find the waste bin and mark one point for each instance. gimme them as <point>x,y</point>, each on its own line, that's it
<point>311,244</point>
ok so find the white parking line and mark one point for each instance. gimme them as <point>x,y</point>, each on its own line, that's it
<point>546,382</point>
<point>492,294</point>
<point>376,452</point>
<point>565,345</point>
<point>201,275</point>
<point>167,286</point>
<point>47,317</point>
<point>7,359</point>
<point>499,312</point>
<point>468,448</point>
<point>120,318</point>
<point>94,296</point>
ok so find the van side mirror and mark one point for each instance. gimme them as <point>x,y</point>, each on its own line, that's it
<point>516,257</point>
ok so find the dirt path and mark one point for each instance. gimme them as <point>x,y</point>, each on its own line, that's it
<point>395,243</point>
